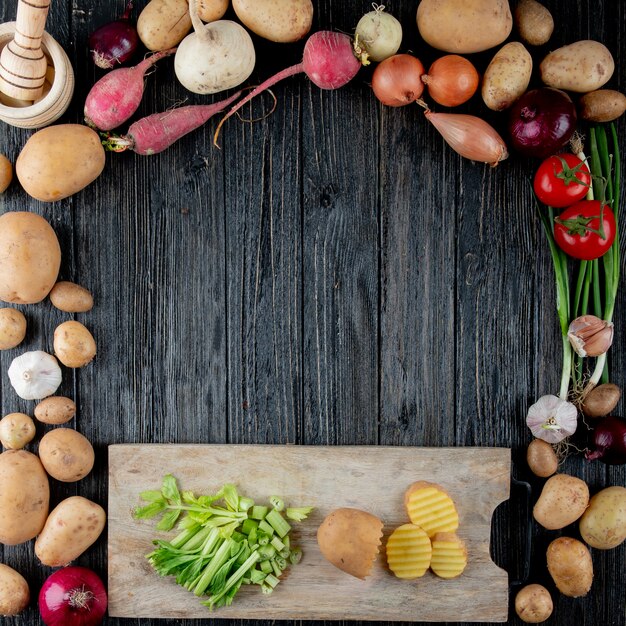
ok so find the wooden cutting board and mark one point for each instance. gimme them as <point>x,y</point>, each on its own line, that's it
<point>373,478</point>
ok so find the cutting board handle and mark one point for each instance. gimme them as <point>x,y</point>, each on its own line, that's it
<point>525,494</point>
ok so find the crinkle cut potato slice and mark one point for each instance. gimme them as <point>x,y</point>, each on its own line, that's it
<point>431,508</point>
<point>409,552</point>
<point>449,557</point>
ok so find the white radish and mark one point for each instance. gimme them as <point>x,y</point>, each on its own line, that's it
<point>378,35</point>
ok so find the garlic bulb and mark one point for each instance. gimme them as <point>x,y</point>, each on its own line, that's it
<point>35,375</point>
<point>552,419</point>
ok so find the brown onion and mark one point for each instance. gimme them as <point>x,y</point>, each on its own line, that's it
<point>397,80</point>
<point>451,80</point>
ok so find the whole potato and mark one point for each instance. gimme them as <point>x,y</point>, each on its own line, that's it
<point>55,410</point>
<point>603,524</point>
<point>71,298</point>
<point>12,328</point>
<point>74,345</point>
<point>14,591</point>
<point>533,604</point>
<point>16,430</point>
<point>571,567</point>
<point>24,496</point>
<point>60,160</point>
<point>350,540</point>
<point>541,458</point>
<point>581,66</point>
<point>277,20</point>
<point>6,173</point>
<point>534,22</point>
<point>562,501</point>
<point>507,76</point>
<point>73,526</point>
<point>66,454</point>
<point>163,24</point>
<point>30,257</point>
<point>212,10</point>
<point>464,26</point>
<point>602,105</point>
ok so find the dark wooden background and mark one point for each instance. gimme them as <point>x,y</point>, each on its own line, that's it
<point>335,274</point>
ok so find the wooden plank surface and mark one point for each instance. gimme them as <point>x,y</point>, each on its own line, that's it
<point>370,478</point>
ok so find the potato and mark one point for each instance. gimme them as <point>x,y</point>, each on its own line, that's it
<point>12,328</point>
<point>58,161</point>
<point>562,501</point>
<point>533,604</point>
<point>541,458</point>
<point>464,26</point>
<point>73,526</point>
<point>430,507</point>
<point>534,22</point>
<point>603,105</point>
<point>24,496</point>
<point>277,20</point>
<point>571,567</point>
<point>212,10</point>
<point>507,76</point>
<point>14,591</point>
<point>603,524</point>
<point>350,540</point>
<point>449,558</point>
<point>408,552</point>
<point>581,66</point>
<point>55,410</point>
<point>6,173</point>
<point>71,298</point>
<point>66,454</point>
<point>163,24</point>
<point>16,430</point>
<point>30,257</point>
<point>74,345</point>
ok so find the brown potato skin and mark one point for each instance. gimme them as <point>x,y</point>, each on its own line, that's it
<point>603,524</point>
<point>533,604</point>
<point>163,24</point>
<point>66,454</point>
<point>535,23</point>
<point>350,540</point>
<point>282,21</point>
<point>12,328</point>
<point>73,526</point>
<point>30,257</point>
<point>507,76</point>
<point>71,298</point>
<point>464,26</point>
<point>74,345</point>
<point>602,105</point>
<point>58,161</point>
<point>541,458</point>
<point>562,501</point>
<point>211,10</point>
<point>55,410</point>
<point>571,567</point>
<point>16,430</point>
<point>14,591</point>
<point>24,496</point>
<point>6,173</point>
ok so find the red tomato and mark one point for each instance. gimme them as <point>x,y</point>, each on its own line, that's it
<point>577,230</point>
<point>562,180</point>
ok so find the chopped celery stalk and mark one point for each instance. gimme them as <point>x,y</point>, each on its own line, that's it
<point>271,580</point>
<point>277,522</point>
<point>234,579</point>
<point>267,552</point>
<point>277,543</point>
<point>276,568</point>
<point>266,527</point>
<point>295,556</point>
<point>285,552</point>
<point>257,576</point>
<point>248,525</point>
<point>286,541</point>
<point>266,567</point>
<point>298,514</point>
<point>262,538</point>
<point>245,504</point>
<point>282,563</point>
<point>237,536</point>
<point>252,536</point>
<point>277,503</point>
<point>259,512</point>
<point>221,556</point>
<point>266,589</point>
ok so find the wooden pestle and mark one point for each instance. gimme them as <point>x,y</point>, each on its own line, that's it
<point>23,64</point>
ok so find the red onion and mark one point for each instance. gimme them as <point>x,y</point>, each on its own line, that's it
<point>72,596</point>
<point>609,441</point>
<point>114,42</point>
<point>541,122</point>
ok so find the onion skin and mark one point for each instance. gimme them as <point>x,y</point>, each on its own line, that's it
<point>397,80</point>
<point>609,441</point>
<point>541,122</point>
<point>451,80</point>
<point>114,43</point>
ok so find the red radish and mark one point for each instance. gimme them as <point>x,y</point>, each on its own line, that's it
<point>328,60</point>
<point>156,132</point>
<point>116,96</point>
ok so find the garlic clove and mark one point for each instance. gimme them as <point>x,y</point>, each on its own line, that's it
<point>35,375</point>
<point>590,335</point>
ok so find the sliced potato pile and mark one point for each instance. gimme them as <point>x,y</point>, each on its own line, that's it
<point>431,508</point>
<point>449,555</point>
<point>408,551</point>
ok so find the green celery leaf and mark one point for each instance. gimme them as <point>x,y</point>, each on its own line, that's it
<point>168,520</point>
<point>151,496</point>
<point>231,497</point>
<point>150,510</point>
<point>170,489</point>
